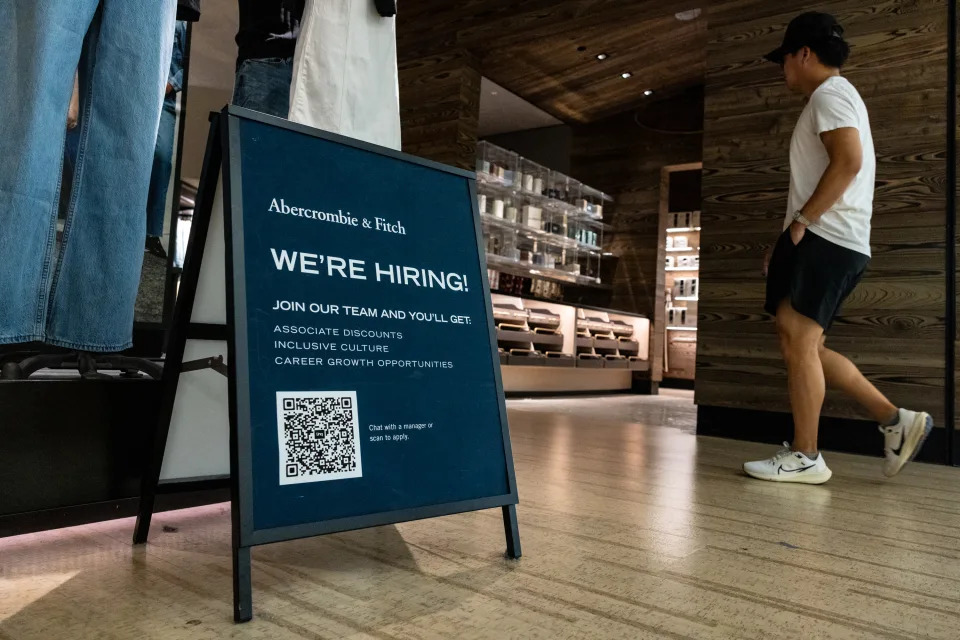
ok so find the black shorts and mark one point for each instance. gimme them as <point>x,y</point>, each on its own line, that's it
<point>815,275</point>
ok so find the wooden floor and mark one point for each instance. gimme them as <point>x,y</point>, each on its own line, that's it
<point>631,529</point>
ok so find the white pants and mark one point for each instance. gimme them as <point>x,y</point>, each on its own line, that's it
<point>345,72</point>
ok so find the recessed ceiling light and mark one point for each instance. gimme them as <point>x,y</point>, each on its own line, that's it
<point>602,56</point>
<point>494,93</point>
<point>626,75</point>
<point>648,92</point>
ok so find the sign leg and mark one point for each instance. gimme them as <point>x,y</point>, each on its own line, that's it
<point>177,340</point>
<point>512,529</point>
<point>242,587</point>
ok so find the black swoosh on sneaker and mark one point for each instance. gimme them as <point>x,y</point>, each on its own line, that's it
<point>897,451</point>
<point>782,470</point>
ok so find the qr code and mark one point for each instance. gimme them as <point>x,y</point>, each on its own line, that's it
<point>319,436</point>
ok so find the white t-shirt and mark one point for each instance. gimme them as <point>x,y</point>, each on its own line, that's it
<point>835,104</point>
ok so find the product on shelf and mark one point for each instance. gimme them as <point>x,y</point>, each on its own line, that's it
<point>684,220</point>
<point>556,225</point>
<point>509,313</point>
<point>554,236</point>
<point>621,328</point>
<point>686,287</point>
<point>543,319</point>
<point>676,316</point>
<point>546,289</point>
<point>596,325</point>
<point>532,216</point>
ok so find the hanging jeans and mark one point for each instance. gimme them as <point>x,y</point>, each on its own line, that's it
<point>163,154</point>
<point>263,84</point>
<point>80,296</point>
<point>162,169</point>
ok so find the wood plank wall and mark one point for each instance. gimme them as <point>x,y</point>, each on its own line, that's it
<point>440,107</point>
<point>893,326</point>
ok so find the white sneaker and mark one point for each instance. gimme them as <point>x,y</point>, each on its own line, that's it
<point>903,440</point>
<point>789,466</point>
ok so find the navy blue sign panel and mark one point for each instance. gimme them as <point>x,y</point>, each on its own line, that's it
<point>367,387</point>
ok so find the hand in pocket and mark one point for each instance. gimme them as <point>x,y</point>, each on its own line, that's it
<point>797,231</point>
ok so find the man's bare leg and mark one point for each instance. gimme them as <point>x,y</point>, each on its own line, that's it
<point>842,374</point>
<point>904,431</point>
<point>800,341</point>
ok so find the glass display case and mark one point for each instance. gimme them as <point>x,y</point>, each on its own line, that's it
<point>538,222</point>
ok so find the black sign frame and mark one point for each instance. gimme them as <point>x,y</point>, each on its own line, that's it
<point>224,144</point>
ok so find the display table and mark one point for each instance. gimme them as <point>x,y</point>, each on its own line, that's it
<point>551,347</point>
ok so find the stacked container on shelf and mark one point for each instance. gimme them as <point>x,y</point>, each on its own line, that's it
<point>538,219</point>
<point>497,165</point>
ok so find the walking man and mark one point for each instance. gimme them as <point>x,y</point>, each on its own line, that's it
<point>823,252</point>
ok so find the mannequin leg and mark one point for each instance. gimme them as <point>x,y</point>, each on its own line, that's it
<point>38,57</point>
<point>123,77</point>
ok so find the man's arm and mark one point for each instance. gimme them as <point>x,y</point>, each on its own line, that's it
<point>846,158</point>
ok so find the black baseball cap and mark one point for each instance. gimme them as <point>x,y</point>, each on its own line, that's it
<point>806,30</point>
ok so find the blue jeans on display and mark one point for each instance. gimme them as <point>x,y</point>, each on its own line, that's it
<point>263,84</point>
<point>162,168</point>
<point>82,296</point>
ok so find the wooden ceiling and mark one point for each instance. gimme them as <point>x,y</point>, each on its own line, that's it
<point>545,50</point>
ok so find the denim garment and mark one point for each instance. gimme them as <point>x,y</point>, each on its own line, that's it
<point>162,168</point>
<point>163,154</point>
<point>83,296</point>
<point>263,84</point>
<point>175,79</point>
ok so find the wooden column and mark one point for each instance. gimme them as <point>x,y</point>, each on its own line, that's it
<point>440,107</point>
